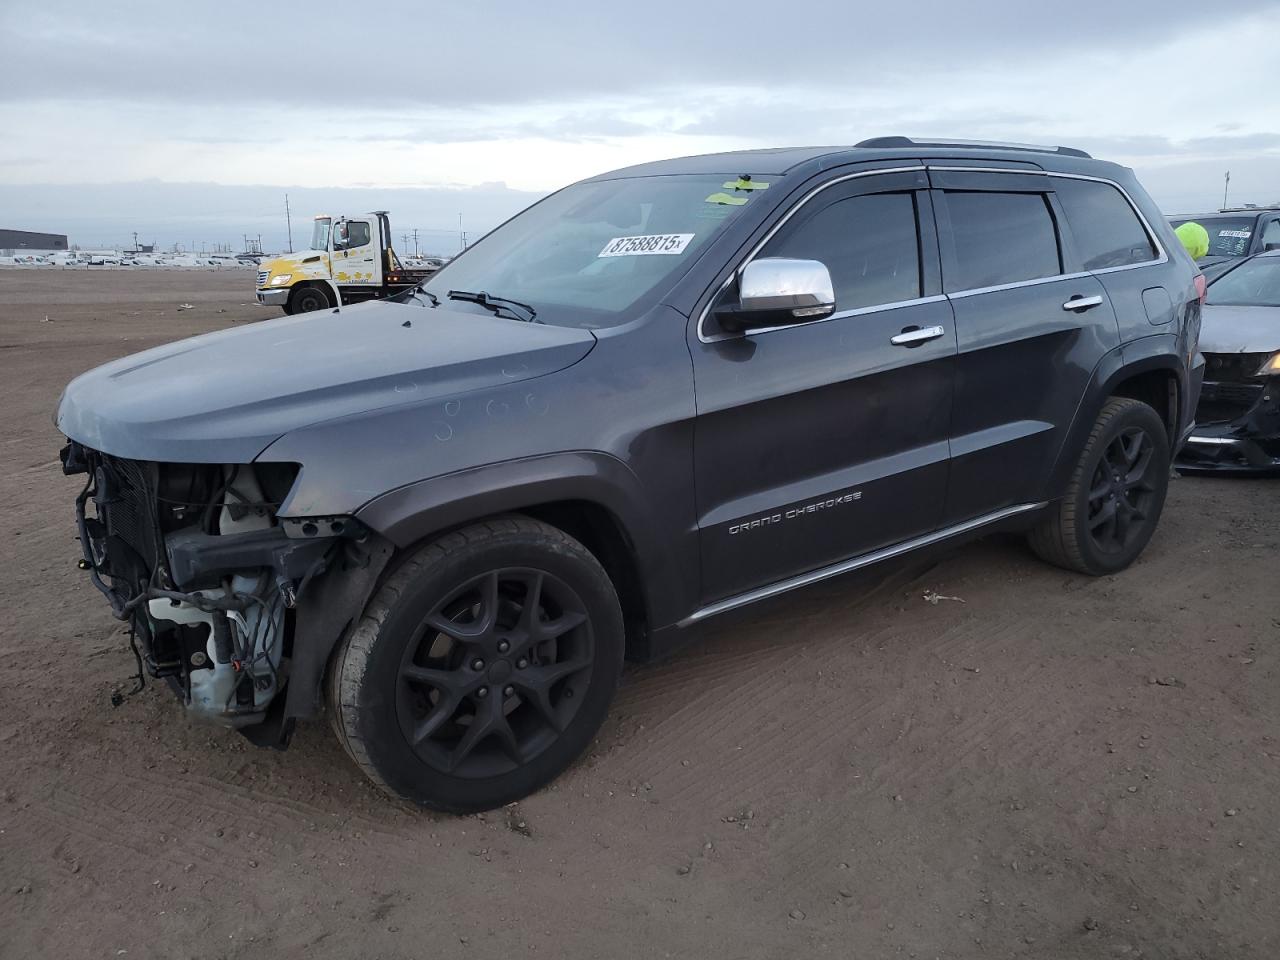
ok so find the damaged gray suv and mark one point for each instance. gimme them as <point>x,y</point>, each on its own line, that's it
<point>655,396</point>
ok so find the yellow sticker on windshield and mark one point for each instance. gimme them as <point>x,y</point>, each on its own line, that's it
<point>726,199</point>
<point>746,183</point>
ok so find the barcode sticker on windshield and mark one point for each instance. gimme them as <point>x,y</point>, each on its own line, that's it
<point>668,243</point>
<point>1242,234</point>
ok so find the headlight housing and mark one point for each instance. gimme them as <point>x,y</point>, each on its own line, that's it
<point>281,279</point>
<point>1271,367</point>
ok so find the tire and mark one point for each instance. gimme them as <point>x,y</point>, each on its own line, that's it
<point>1114,498</point>
<point>308,300</point>
<point>449,694</point>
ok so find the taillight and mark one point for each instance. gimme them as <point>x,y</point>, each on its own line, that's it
<point>1202,286</point>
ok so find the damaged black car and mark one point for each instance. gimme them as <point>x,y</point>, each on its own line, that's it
<point>1238,417</point>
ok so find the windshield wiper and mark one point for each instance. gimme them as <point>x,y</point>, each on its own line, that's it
<point>493,303</point>
<point>418,291</point>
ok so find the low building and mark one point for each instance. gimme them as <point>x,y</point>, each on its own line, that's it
<point>25,240</point>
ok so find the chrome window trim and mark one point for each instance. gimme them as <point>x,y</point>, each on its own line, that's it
<point>839,315</point>
<point>1161,255</point>
<point>960,295</point>
<point>877,307</point>
<point>856,563</point>
<point>706,310</point>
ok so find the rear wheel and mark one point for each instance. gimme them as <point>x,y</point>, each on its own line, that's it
<point>1116,493</point>
<point>307,300</point>
<point>482,667</point>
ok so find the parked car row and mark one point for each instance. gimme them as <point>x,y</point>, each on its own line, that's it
<point>117,260</point>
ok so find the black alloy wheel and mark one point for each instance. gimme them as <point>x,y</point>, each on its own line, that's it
<point>482,666</point>
<point>492,677</point>
<point>1113,500</point>
<point>1122,491</point>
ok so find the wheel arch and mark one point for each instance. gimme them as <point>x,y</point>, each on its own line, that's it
<point>1149,370</point>
<point>592,496</point>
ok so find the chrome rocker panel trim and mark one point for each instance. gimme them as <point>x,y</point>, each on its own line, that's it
<point>856,563</point>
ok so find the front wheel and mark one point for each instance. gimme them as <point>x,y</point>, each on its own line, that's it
<point>1116,493</point>
<point>307,300</point>
<point>481,668</point>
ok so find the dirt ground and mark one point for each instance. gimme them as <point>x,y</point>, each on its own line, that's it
<point>1050,766</point>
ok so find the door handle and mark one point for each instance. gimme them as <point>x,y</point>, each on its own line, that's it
<point>913,336</point>
<point>1082,303</point>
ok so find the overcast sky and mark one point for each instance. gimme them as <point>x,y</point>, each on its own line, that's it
<point>189,122</point>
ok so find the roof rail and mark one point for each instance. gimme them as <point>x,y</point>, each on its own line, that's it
<point>1250,208</point>
<point>991,144</point>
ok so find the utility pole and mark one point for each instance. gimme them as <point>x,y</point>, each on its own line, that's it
<point>135,241</point>
<point>1226,182</point>
<point>415,241</point>
<point>288,222</point>
<point>462,235</point>
<point>405,238</point>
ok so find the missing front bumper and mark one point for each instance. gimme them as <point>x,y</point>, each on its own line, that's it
<point>1239,438</point>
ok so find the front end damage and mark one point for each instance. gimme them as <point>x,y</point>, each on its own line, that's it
<point>227,601</point>
<point>1238,418</point>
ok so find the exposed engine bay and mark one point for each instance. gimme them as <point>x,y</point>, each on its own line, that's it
<point>196,560</point>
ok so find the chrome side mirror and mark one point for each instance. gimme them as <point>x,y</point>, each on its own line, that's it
<point>774,291</point>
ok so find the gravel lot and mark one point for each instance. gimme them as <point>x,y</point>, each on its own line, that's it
<point>1050,766</point>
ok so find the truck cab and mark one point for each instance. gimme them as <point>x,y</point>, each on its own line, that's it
<point>349,259</point>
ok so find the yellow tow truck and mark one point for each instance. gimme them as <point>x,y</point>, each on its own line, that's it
<point>350,259</point>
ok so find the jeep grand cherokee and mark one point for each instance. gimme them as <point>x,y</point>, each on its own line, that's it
<point>654,396</point>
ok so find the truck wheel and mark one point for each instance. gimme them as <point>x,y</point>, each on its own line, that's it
<point>1115,495</point>
<point>308,299</point>
<point>481,668</point>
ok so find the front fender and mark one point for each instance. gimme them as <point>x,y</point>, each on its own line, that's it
<point>412,513</point>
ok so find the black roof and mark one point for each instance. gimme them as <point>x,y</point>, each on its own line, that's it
<point>778,161</point>
<point>1233,213</point>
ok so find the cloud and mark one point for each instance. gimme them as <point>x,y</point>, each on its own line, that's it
<point>496,53</point>
<point>535,96</point>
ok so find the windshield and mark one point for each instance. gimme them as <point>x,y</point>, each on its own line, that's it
<point>1228,236</point>
<point>1252,284</point>
<point>584,255</point>
<point>320,234</point>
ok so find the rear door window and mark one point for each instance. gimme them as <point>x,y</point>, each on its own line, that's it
<point>869,243</point>
<point>1104,226</point>
<point>1000,238</point>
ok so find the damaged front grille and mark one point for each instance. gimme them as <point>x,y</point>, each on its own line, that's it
<point>125,494</point>
<point>1223,402</point>
<point>1231,386</point>
<point>1233,367</point>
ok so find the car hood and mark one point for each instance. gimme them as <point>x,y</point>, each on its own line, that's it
<point>301,265</point>
<point>1228,329</point>
<point>224,397</point>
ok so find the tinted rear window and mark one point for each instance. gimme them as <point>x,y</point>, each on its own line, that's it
<point>1001,238</point>
<point>869,243</point>
<point>1228,236</point>
<point>1106,231</point>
